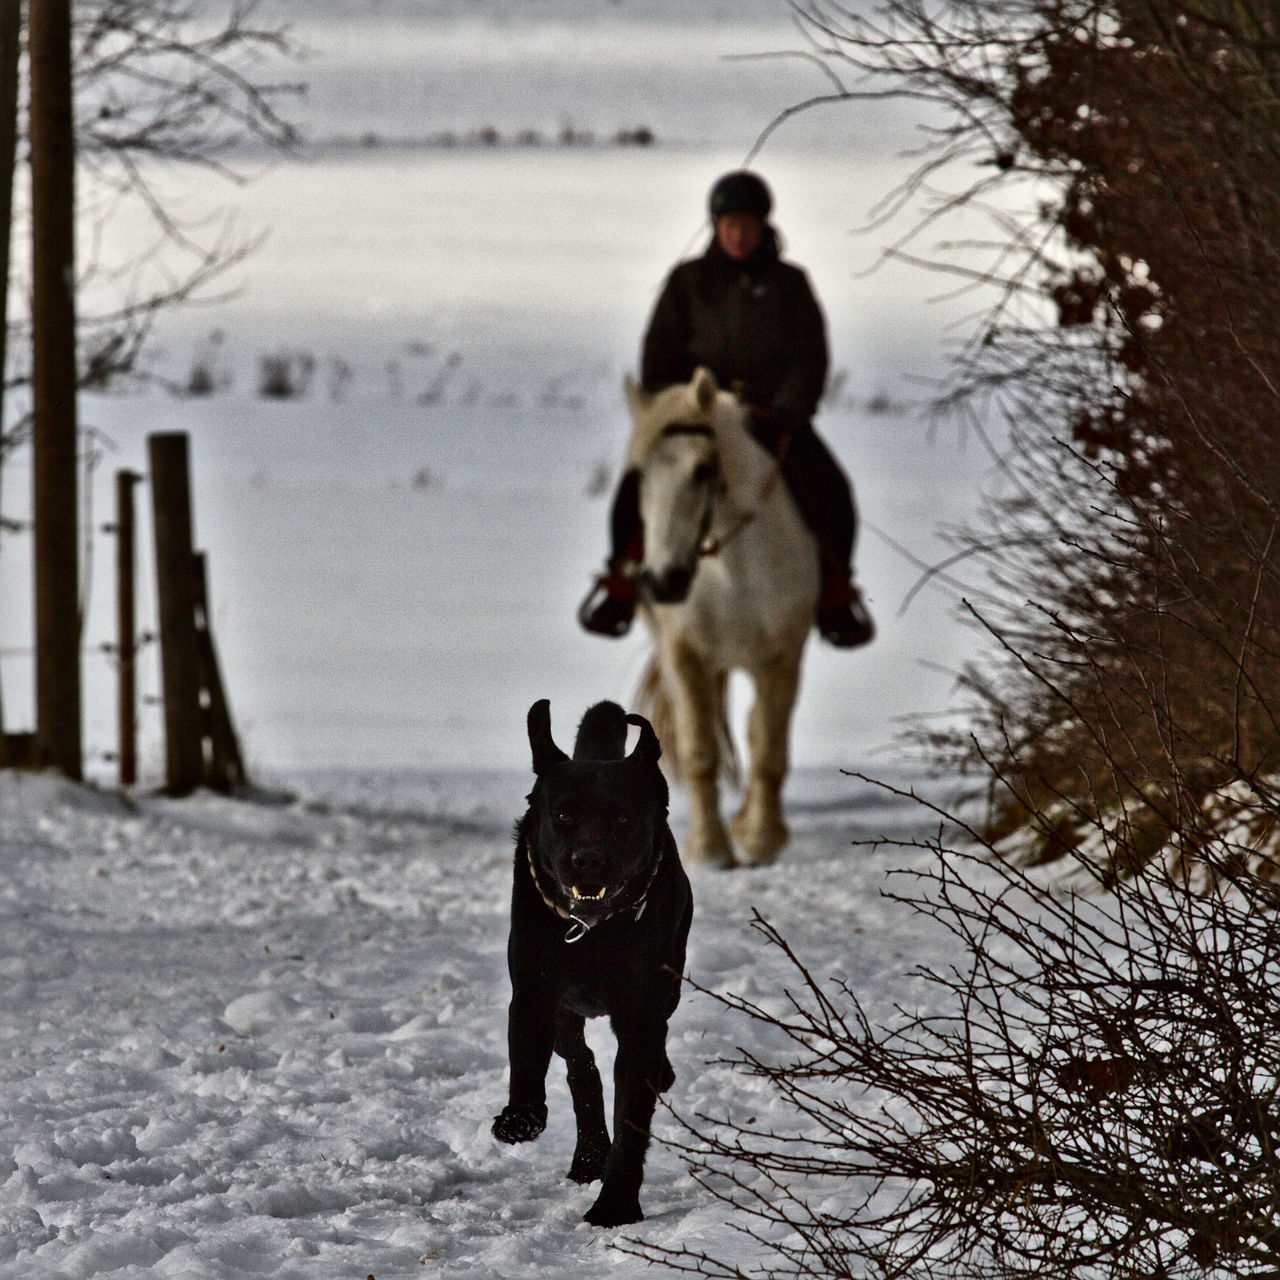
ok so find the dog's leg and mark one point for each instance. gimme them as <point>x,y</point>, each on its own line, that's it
<point>759,828</point>
<point>695,702</point>
<point>640,1070</point>
<point>592,1151</point>
<point>530,1036</point>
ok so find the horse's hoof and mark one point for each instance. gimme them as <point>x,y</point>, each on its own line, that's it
<point>756,847</point>
<point>708,852</point>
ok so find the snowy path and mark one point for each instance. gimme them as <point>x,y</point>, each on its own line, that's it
<point>253,1039</point>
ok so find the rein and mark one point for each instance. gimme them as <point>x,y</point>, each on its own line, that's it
<point>714,546</point>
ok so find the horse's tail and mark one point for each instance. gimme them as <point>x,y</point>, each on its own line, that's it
<point>654,703</point>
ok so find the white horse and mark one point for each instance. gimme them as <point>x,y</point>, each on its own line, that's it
<point>729,582</point>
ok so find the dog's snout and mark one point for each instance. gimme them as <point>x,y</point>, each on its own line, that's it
<point>586,862</point>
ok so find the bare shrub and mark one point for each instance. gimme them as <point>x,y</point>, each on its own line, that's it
<point>339,377</point>
<point>1091,1091</point>
<point>207,373</point>
<point>160,86</point>
<point>1125,571</point>
<point>200,380</point>
<point>285,375</point>
<point>1131,567</point>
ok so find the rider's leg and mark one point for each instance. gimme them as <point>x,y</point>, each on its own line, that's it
<point>610,605</point>
<point>825,498</point>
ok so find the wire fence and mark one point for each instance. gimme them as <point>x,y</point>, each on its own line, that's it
<point>99,646</point>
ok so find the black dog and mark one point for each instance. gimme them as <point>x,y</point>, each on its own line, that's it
<point>600,914</point>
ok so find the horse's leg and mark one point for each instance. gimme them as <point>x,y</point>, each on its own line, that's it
<point>695,695</point>
<point>759,828</point>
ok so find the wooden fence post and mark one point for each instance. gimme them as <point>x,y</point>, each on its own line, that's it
<point>126,629</point>
<point>175,590</point>
<point>226,767</point>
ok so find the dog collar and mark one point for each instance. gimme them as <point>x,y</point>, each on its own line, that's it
<point>579,928</point>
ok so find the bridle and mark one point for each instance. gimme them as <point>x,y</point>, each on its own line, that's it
<point>708,546</point>
<point>714,546</point>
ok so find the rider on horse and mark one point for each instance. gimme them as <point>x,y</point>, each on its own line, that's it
<point>753,320</point>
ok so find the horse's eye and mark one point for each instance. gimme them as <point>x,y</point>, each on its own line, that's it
<point>703,473</point>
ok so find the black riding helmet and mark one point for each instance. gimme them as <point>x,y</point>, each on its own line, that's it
<point>740,192</point>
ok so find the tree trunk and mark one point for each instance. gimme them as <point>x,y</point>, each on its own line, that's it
<point>58,725</point>
<point>10,33</point>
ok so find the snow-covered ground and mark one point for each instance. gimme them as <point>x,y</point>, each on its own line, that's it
<point>268,1038</point>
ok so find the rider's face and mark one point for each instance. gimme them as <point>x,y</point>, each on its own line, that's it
<point>739,234</point>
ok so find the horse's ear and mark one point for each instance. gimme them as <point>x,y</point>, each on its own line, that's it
<point>704,388</point>
<point>648,749</point>
<point>638,399</point>
<point>545,751</point>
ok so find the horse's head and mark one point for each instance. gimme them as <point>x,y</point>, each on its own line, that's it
<point>674,447</point>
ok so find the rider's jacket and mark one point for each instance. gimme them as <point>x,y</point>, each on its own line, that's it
<point>754,323</point>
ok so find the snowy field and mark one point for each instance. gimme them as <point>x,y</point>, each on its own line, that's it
<point>266,1038</point>
<point>397,553</point>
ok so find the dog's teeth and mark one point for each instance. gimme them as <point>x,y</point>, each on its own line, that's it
<point>587,897</point>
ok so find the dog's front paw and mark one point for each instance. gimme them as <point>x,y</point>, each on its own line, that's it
<point>611,1211</point>
<point>519,1124</point>
<point>589,1159</point>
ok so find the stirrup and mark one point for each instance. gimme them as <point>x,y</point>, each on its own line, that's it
<point>609,606</point>
<point>844,620</point>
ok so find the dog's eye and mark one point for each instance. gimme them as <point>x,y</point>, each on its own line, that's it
<point>562,818</point>
<point>623,819</point>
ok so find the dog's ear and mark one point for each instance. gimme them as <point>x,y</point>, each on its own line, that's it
<point>545,751</point>
<point>648,749</point>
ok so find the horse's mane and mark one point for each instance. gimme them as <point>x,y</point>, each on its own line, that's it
<point>697,403</point>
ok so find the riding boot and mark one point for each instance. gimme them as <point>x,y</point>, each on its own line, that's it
<point>610,605</point>
<point>843,617</point>
<point>825,499</point>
